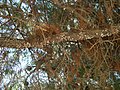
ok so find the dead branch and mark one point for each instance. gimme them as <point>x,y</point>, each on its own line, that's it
<point>65,36</point>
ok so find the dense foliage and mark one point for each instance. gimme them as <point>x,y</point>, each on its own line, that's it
<point>60,44</point>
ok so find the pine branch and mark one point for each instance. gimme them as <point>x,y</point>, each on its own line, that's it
<point>65,36</point>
